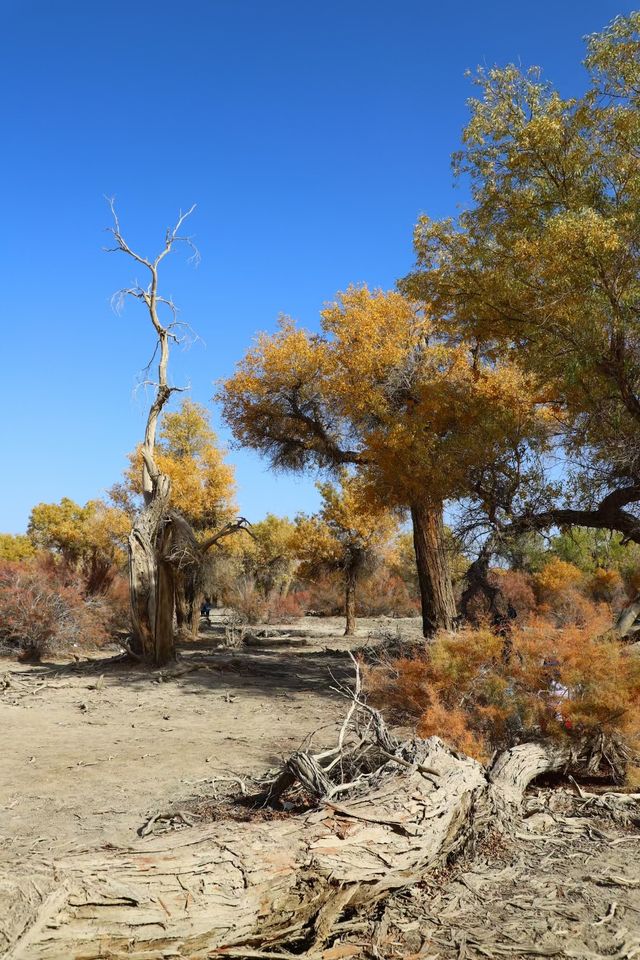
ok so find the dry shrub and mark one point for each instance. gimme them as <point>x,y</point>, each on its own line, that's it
<point>116,604</point>
<point>249,603</point>
<point>480,695</point>
<point>285,609</point>
<point>562,592</point>
<point>516,586</point>
<point>40,614</point>
<point>325,596</point>
<point>570,608</point>
<point>385,594</point>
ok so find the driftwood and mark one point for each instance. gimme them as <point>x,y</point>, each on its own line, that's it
<point>268,639</point>
<point>379,816</point>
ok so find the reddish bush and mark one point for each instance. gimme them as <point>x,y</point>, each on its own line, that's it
<point>569,608</point>
<point>288,608</point>
<point>116,603</point>
<point>325,596</point>
<point>471,691</point>
<point>517,589</point>
<point>38,614</point>
<point>384,594</point>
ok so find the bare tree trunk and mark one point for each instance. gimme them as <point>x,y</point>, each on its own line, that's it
<point>183,619</point>
<point>351,580</point>
<point>151,577</point>
<point>145,580</point>
<point>282,884</point>
<point>434,578</point>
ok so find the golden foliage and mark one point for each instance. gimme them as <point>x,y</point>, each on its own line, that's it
<point>16,547</point>
<point>380,388</point>
<point>556,576</point>
<point>347,523</point>
<point>76,532</point>
<point>542,268</point>
<point>202,484</point>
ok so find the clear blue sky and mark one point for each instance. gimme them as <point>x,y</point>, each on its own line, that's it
<point>310,134</point>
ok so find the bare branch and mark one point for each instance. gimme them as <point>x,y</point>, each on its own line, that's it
<point>165,333</point>
<point>235,527</point>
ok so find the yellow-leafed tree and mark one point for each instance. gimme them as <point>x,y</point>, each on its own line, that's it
<point>91,538</point>
<point>541,270</point>
<point>202,491</point>
<point>349,533</point>
<point>382,389</point>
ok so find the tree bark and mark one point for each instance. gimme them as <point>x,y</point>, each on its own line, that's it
<point>188,600</point>
<point>151,605</point>
<point>434,578</point>
<point>259,885</point>
<point>351,579</point>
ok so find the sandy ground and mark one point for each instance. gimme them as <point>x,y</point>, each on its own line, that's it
<point>91,750</point>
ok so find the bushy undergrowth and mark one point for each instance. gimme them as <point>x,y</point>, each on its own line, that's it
<point>43,609</point>
<point>482,695</point>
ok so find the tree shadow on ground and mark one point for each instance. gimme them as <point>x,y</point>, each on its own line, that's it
<point>201,668</point>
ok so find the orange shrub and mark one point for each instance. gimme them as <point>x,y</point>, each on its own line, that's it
<point>569,608</point>
<point>325,596</point>
<point>605,585</point>
<point>556,577</point>
<point>385,594</point>
<point>287,608</point>
<point>470,690</point>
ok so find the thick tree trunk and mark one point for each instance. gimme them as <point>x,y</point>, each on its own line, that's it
<point>434,578</point>
<point>151,579</point>
<point>351,580</point>
<point>259,885</point>
<point>188,599</point>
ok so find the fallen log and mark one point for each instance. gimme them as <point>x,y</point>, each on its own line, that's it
<point>380,814</point>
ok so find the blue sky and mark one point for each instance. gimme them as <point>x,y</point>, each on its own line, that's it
<point>310,134</point>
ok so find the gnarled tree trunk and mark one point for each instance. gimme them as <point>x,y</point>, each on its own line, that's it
<point>434,577</point>
<point>188,599</point>
<point>151,603</point>
<point>283,883</point>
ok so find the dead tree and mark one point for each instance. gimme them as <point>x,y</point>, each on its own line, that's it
<point>164,554</point>
<point>380,814</point>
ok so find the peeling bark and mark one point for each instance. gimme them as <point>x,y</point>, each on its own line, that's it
<point>282,883</point>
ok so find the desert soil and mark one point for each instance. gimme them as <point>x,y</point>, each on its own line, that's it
<point>92,750</point>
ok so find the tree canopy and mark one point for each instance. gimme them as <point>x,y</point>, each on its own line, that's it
<point>542,269</point>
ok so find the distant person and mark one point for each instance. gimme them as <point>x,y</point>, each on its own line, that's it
<point>205,610</point>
